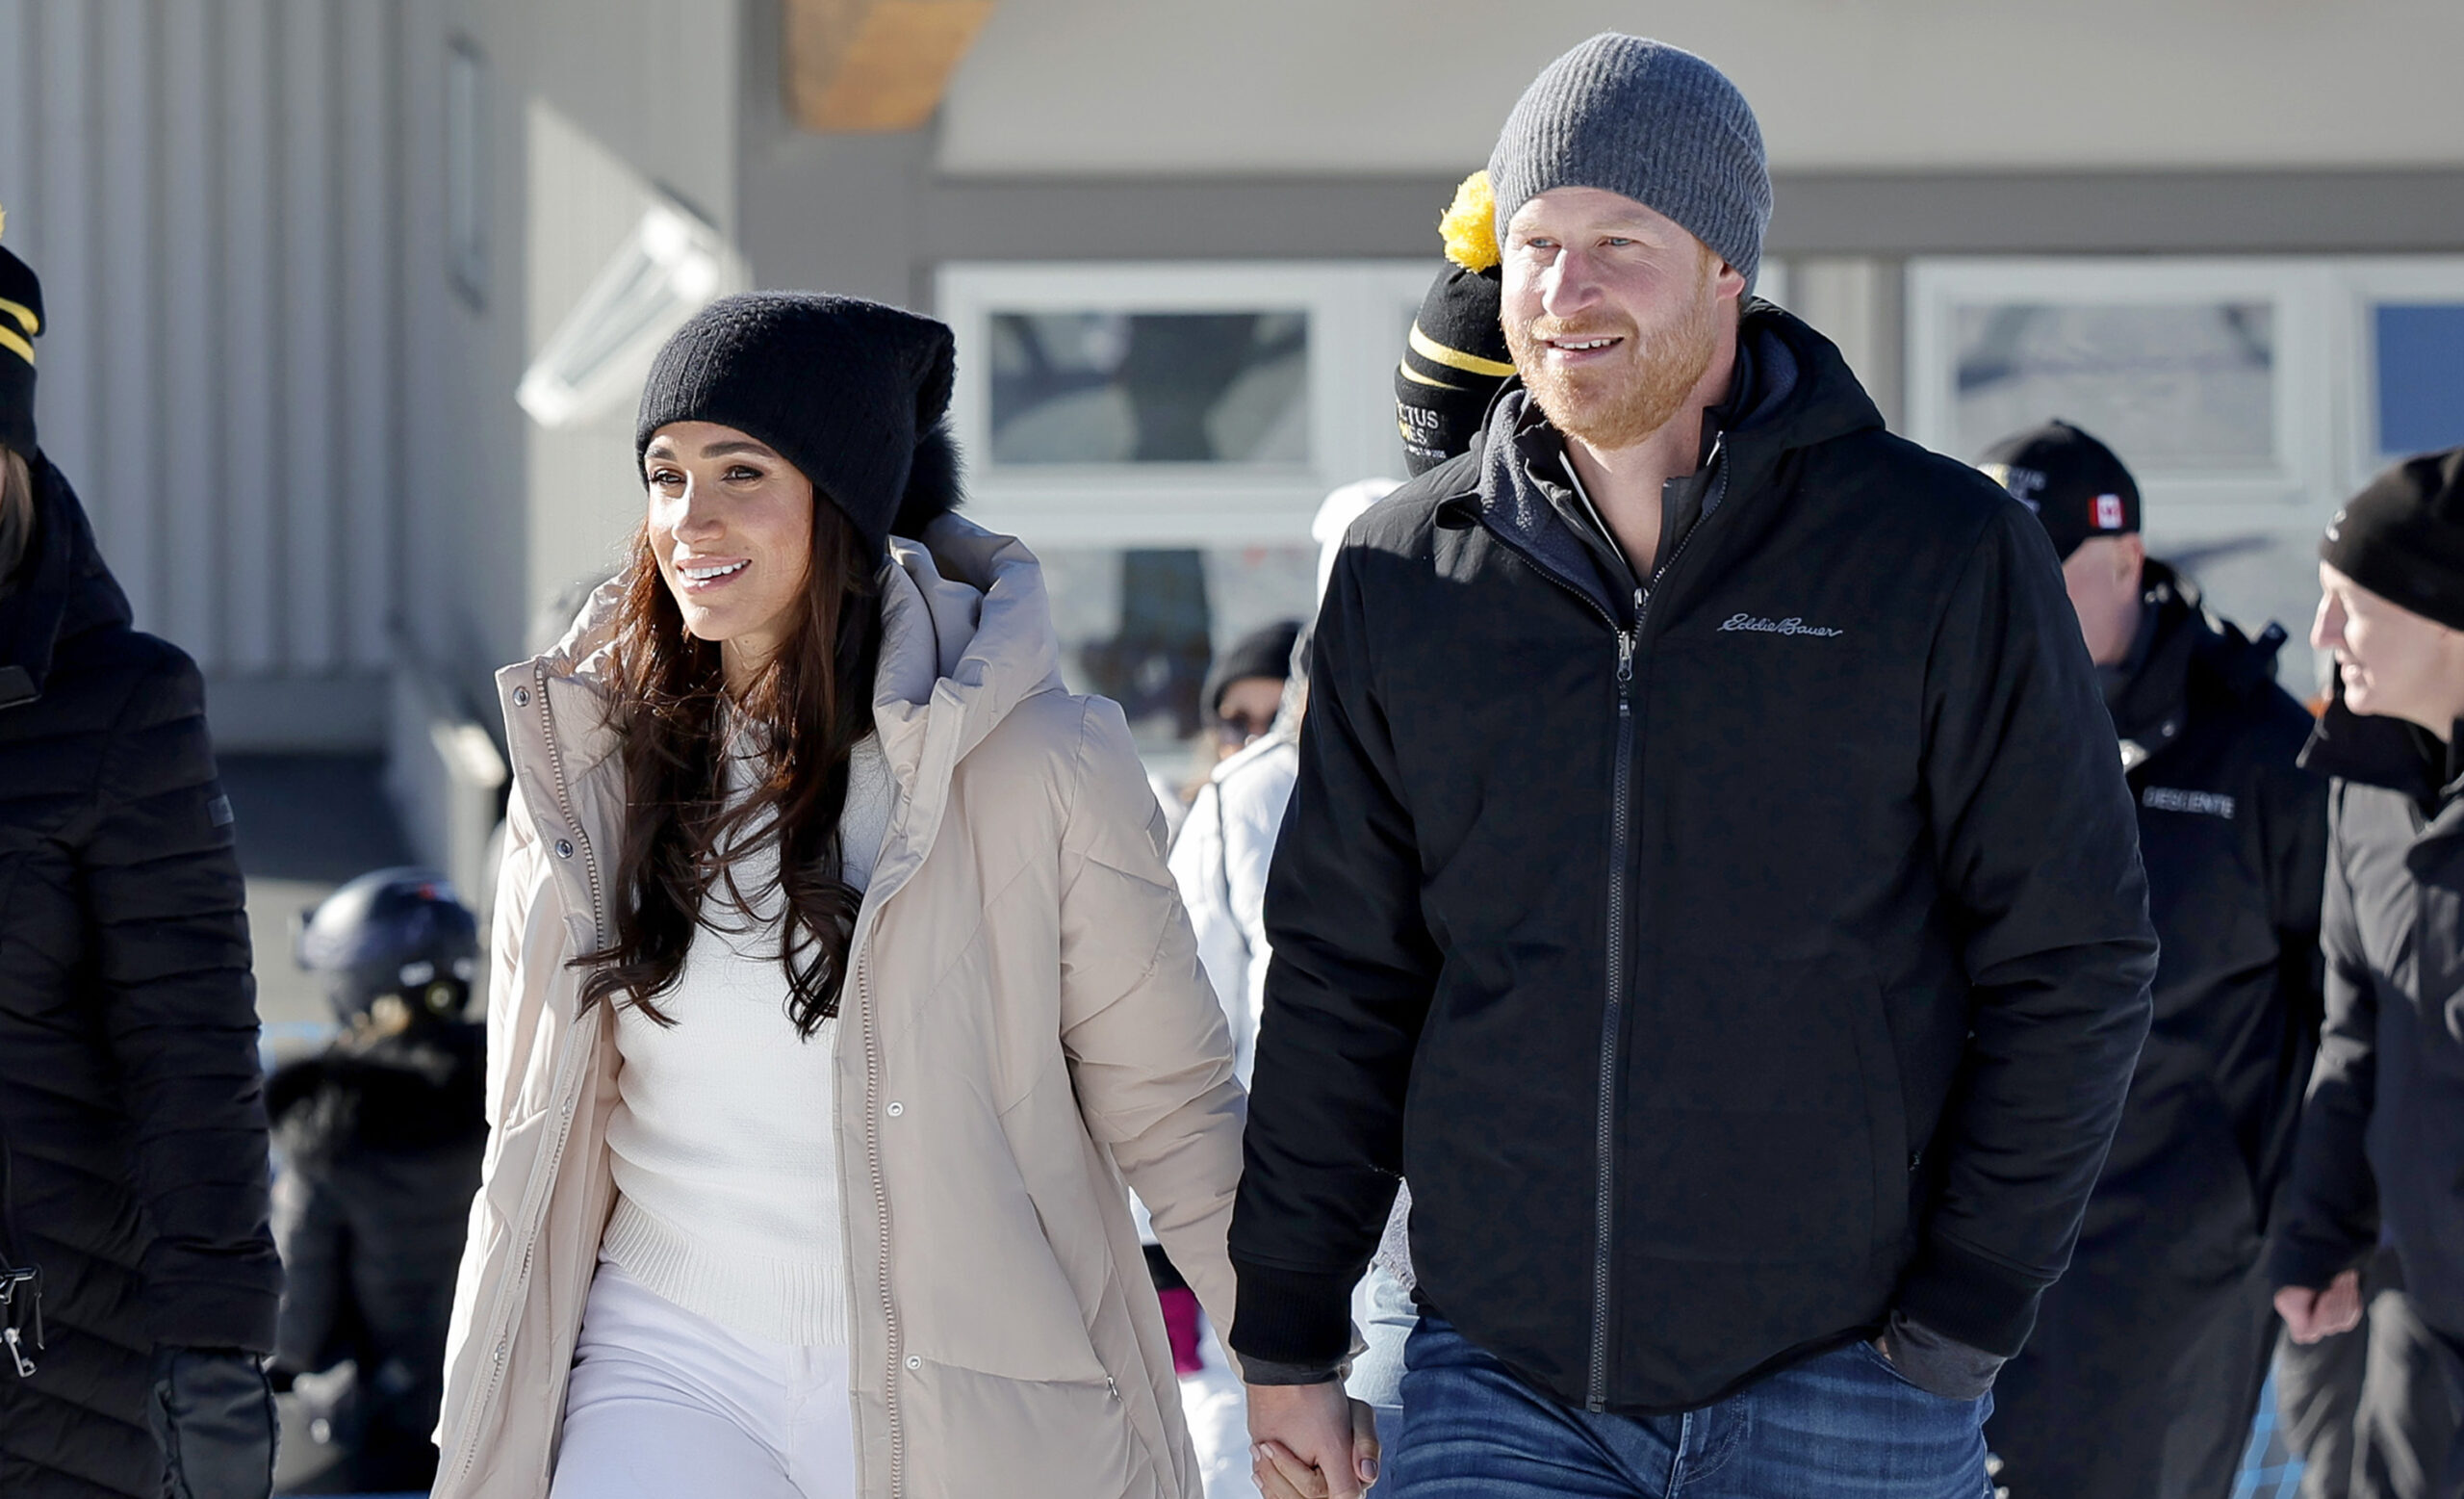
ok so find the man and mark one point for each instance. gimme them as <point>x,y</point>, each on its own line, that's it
<point>2382,1137</point>
<point>2149,1358</point>
<point>1705,822</point>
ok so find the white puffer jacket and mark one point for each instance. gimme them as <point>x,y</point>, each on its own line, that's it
<point>1026,1026</point>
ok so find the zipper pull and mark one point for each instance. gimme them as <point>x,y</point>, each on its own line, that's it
<point>25,1365</point>
<point>1624,657</point>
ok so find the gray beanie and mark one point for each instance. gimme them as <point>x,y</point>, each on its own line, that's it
<point>1649,122</point>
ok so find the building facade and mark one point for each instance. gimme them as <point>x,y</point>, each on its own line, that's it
<point>351,296</point>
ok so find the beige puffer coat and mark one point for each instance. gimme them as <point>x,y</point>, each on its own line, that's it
<point>1026,1026</point>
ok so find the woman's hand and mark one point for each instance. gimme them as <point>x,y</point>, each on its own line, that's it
<point>1288,1421</point>
<point>2311,1314</point>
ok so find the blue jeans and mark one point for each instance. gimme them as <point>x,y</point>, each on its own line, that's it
<point>1841,1425</point>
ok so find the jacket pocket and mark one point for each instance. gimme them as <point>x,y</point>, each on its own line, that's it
<point>1763,1122</point>
<point>974,1433</point>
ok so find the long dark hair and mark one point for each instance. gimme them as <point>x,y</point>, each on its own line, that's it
<point>683,837</point>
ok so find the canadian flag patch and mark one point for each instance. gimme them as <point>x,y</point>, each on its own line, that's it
<point>2109,512</point>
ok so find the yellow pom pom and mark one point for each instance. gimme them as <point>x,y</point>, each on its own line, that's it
<point>1469,226</point>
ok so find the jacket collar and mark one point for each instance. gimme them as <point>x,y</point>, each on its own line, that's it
<point>2188,654</point>
<point>1793,390</point>
<point>64,591</point>
<point>966,636</point>
<point>2392,754</point>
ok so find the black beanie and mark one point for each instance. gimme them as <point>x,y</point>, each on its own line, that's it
<point>20,322</point>
<point>852,393</point>
<point>2073,484</point>
<point>2403,537</point>
<point>1264,651</point>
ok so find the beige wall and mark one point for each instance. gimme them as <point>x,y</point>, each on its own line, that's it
<point>1401,86</point>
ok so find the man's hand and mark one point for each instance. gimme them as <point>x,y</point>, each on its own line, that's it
<point>1311,1441</point>
<point>2310,1315</point>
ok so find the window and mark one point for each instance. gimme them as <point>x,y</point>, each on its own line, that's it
<point>2250,396</point>
<point>465,172</point>
<point>2418,370</point>
<point>1163,434</point>
<point>1175,405</point>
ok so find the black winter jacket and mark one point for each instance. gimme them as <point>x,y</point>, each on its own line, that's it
<point>131,1109</point>
<point>381,1143</point>
<point>1725,967</point>
<point>2382,1135</point>
<point>2233,834</point>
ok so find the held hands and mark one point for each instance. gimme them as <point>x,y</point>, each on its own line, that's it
<point>2310,1315</point>
<point>1311,1441</point>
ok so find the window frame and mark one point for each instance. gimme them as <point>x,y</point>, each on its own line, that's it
<point>1357,312</point>
<point>2303,465</point>
<point>2363,283</point>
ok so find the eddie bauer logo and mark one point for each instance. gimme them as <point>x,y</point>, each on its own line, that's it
<point>1777,627</point>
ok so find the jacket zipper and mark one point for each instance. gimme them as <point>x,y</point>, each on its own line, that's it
<point>1620,836</point>
<point>1612,1013</point>
<point>881,1219</point>
<point>535,1205</point>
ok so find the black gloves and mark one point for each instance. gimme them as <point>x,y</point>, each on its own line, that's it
<point>214,1414</point>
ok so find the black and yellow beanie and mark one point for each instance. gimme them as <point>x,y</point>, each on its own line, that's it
<point>1456,358</point>
<point>20,323</point>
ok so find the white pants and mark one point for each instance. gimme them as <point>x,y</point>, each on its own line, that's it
<point>664,1403</point>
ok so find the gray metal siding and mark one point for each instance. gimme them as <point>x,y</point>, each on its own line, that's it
<point>211,192</point>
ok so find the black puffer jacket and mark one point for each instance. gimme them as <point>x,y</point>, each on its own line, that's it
<point>1726,968</point>
<point>381,1143</point>
<point>131,1103</point>
<point>2382,1137</point>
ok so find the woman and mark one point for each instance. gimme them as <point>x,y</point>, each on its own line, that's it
<point>137,1278</point>
<point>838,985</point>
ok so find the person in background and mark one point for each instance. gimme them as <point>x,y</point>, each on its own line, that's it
<point>1453,364</point>
<point>2157,1338</point>
<point>380,1139</point>
<point>2361,1407</point>
<point>137,1278</point>
<point>1245,690</point>
<point>1708,879</point>
<point>2382,1152</point>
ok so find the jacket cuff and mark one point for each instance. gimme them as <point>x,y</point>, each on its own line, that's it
<point>1971,1299</point>
<point>188,1314</point>
<point>2310,1264</point>
<point>1291,1318</point>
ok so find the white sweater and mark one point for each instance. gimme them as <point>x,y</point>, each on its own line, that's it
<point>724,1142</point>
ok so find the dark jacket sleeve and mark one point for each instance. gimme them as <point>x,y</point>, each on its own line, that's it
<point>308,1228</point>
<point>2037,847</point>
<point>165,900</point>
<point>2294,843</point>
<point>2331,1217</point>
<point>1346,995</point>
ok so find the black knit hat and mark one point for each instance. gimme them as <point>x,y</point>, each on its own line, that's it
<point>2074,482</point>
<point>2403,537</point>
<point>20,322</point>
<point>852,393</point>
<point>1264,651</point>
<point>1456,358</point>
